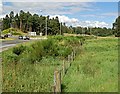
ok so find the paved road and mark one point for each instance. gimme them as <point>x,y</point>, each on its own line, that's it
<point>5,44</point>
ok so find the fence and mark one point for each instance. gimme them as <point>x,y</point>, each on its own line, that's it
<point>60,73</point>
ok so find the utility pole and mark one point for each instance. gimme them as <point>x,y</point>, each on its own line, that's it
<point>46,27</point>
<point>60,28</point>
<point>82,30</point>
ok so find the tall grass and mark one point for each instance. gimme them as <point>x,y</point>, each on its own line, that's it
<point>30,67</point>
<point>96,69</point>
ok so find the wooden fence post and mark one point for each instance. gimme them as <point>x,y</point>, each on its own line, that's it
<point>74,54</point>
<point>71,56</point>
<point>53,89</point>
<point>68,58</point>
<point>64,68</point>
<point>57,81</point>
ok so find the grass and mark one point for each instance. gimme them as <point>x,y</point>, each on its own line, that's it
<point>13,31</point>
<point>6,39</point>
<point>95,69</point>
<point>25,77</point>
<point>22,75</point>
<point>28,77</point>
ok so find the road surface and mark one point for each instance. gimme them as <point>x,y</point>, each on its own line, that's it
<point>5,44</point>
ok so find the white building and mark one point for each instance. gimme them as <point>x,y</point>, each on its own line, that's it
<point>32,33</point>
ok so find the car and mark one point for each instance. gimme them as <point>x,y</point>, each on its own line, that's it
<point>9,34</point>
<point>26,37</point>
<point>20,37</point>
<point>6,35</point>
<point>2,37</point>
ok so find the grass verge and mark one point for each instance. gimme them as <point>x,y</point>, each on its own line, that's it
<point>95,69</point>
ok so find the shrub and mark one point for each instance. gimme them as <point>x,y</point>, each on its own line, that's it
<point>50,47</point>
<point>19,50</point>
<point>42,49</point>
<point>36,53</point>
<point>12,58</point>
<point>64,51</point>
<point>16,33</point>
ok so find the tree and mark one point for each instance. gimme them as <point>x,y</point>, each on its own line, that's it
<point>25,21</point>
<point>116,27</point>
<point>17,21</point>
<point>11,18</point>
<point>21,19</point>
<point>6,22</point>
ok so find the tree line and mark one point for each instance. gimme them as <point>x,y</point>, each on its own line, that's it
<point>27,22</point>
<point>116,27</point>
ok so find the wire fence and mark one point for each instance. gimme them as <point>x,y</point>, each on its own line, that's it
<point>60,73</point>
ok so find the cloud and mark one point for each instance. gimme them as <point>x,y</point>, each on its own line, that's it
<point>75,22</point>
<point>48,0</point>
<point>61,9</point>
<point>110,14</point>
<point>94,24</point>
<point>50,8</point>
<point>61,1</point>
<point>102,15</point>
<point>0,7</point>
<point>63,18</point>
<point>2,16</point>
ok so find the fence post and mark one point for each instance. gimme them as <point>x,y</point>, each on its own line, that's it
<point>64,69</point>
<point>53,89</point>
<point>71,56</point>
<point>68,58</point>
<point>57,81</point>
<point>74,54</point>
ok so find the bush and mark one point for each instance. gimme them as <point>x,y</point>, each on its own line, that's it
<point>19,50</point>
<point>50,47</point>
<point>16,33</point>
<point>36,52</point>
<point>64,51</point>
<point>57,46</point>
<point>42,49</point>
<point>117,34</point>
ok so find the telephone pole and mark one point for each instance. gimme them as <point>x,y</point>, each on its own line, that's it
<point>46,27</point>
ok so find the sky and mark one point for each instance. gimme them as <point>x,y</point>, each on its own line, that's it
<point>90,14</point>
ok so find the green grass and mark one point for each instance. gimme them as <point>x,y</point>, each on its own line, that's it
<point>25,77</point>
<point>13,31</point>
<point>95,70</point>
<point>20,74</point>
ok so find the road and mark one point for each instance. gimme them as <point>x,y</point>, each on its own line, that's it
<point>5,44</point>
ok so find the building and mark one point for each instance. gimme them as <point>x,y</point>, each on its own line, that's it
<point>32,33</point>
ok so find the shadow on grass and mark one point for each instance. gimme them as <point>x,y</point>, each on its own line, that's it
<point>63,87</point>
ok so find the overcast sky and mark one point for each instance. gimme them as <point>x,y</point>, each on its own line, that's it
<point>97,14</point>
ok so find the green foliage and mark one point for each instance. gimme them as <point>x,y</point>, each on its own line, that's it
<point>13,31</point>
<point>91,70</point>
<point>19,50</point>
<point>116,27</point>
<point>33,69</point>
<point>25,21</point>
<point>64,51</point>
<point>55,46</point>
<point>103,32</point>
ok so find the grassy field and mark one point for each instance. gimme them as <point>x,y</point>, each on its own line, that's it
<point>25,77</point>
<point>20,74</point>
<point>95,69</point>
